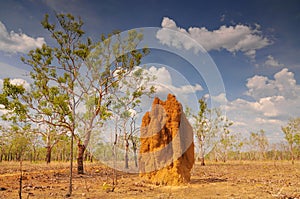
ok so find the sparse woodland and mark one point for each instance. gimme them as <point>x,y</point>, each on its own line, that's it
<point>79,84</point>
<point>38,120</point>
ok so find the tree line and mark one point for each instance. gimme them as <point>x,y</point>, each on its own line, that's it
<point>217,142</point>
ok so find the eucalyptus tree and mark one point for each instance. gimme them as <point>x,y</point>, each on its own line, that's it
<point>126,104</point>
<point>292,136</point>
<point>35,106</point>
<point>74,78</point>
<point>16,127</point>
<point>204,127</point>
<point>110,65</point>
<point>259,143</point>
<point>134,138</point>
<point>227,139</point>
<point>211,128</point>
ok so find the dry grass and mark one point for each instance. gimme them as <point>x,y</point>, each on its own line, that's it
<point>236,179</point>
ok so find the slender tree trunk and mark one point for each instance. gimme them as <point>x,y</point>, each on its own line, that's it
<point>135,154</point>
<point>201,156</point>
<point>48,155</point>
<point>71,165</point>
<point>202,162</point>
<point>91,157</point>
<point>292,153</point>
<point>34,154</point>
<point>126,153</point>
<point>20,180</point>
<point>225,154</point>
<point>115,177</point>
<point>80,157</point>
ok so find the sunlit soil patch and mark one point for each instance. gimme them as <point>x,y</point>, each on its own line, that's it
<point>215,180</point>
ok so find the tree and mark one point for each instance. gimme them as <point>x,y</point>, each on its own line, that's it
<point>238,145</point>
<point>134,139</point>
<point>292,136</point>
<point>204,127</point>
<point>227,140</point>
<point>126,104</point>
<point>38,107</point>
<point>259,142</point>
<point>51,136</point>
<point>75,78</point>
<point>111,80</point>
<point>14,110</point>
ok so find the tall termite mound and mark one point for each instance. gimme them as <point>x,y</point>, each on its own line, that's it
<point>167,148</point>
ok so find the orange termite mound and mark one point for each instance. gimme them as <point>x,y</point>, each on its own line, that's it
<point>167,148</point>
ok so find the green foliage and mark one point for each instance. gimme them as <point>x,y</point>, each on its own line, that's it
<point>292,136</point>
<point>258,143</point>
<point>211,128</point>
<point>292,131</point>
<point>10,99</point>
<point>132,89</point>
<point>204,127</point>
<point>74,80</point>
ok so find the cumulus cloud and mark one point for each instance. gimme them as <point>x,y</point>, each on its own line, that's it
<point>283,84</point>
<point>267,105</point>
<point>272,62</point>
<point>167,81</point>
<point>239,38</point>
<point>275,100</point>
<point>164,83</point>
<point>12,42</point>
<point>221,98</point>
<point>16,82</point>
<point>19,82</point>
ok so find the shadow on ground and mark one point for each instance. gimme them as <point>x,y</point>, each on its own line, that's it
<point>206,180</point>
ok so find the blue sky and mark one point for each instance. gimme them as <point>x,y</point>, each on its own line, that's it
<point>255,46</point>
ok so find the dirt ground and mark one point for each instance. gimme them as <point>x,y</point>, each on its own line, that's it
<point>215,180</point>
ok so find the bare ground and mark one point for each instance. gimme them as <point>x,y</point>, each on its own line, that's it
<point>238,179</point>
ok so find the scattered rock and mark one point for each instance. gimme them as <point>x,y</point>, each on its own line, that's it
<point>3,189</point>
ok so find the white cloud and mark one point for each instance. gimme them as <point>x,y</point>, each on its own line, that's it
<point>164,83</point>
<point>19,82</point>
<point>12,42</point>
<point>266,121</point>
<point>168,81</point>
<point>221,98</point>
<point>267,105</point>
<point>272,62</point>
<point>284,84</point>
<point>16,82</point>
<point>232,38</point>
<point>276,100</point>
